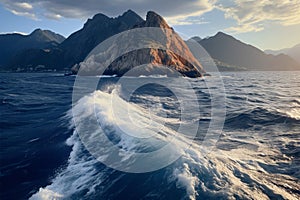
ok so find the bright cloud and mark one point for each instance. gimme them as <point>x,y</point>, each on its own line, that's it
<point>24,14</point>
<point>251,14</point>
<point>23,5</point>
<point>17,32</point>
<point>53,16</point>
<point>186,20</point>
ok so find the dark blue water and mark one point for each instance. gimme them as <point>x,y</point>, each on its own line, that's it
<point>257,155</point>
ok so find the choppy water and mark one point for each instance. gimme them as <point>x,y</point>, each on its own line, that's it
<point>256,157</point>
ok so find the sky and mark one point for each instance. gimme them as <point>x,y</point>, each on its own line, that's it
<point>266,24</point>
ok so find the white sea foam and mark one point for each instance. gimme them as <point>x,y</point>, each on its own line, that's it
<point>45,194</point>
<point>107,76</point>
<point>78,175</point>
<point>294,113</point>
<point>153,76</point>
<point>186,180</point>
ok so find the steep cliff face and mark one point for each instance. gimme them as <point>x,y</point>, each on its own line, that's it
<point>176,49</point>
<point>152,62</point>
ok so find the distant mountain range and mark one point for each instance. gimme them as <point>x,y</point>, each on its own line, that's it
<point>293,52</point>
<point>232,54</point>
<point>50,51</point>
<point>12,44</point>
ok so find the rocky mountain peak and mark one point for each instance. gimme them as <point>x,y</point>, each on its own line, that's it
<point>100,16</point>
<point>130,17</point>
<point>196,38</point>
<point>46,36</point>
<point>97,19</point>
<point>222,35</point>
<point>36,31</point>
<point>129,13</point>
<point>154,20</point>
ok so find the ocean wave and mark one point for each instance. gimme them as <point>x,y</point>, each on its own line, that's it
<point>107,76</point>
<point>296,100</point>
<point>153,76</point>
<point>293,113</point>
<point>261,116</point>
<point>228,173</point>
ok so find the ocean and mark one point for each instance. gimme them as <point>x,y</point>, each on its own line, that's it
<point>49,145</point>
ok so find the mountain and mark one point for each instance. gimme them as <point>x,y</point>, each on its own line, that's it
<point>12,44</point>
<point>153,58</point>
<point>46,36</point>
<point>78,45</point>
<point>231,53</point>
<point>293,52</point>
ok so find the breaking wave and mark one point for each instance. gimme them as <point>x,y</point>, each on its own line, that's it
<point>243,165</point>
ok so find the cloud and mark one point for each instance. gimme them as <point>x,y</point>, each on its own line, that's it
<point>187,20</point>
<point>17,32</point>
<point>24,14</point>
<point>244,28</point>
<point>175,10</point>
<point>20,8</point>
<point>53,16</point>
<point>23,5</point>
<point>250,15</point>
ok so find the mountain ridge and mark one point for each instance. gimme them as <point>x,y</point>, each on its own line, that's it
<point>230,51</point>
<point>13,44</point>
<point>293,52</point>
